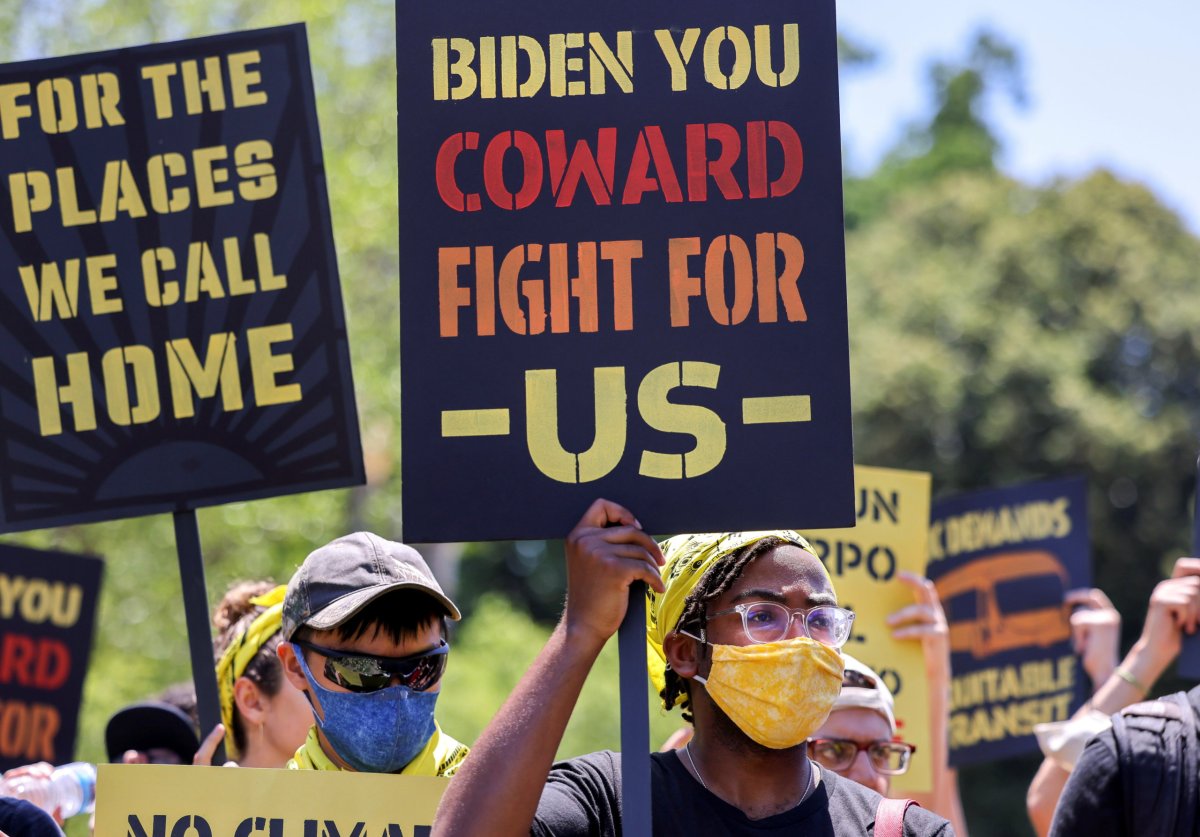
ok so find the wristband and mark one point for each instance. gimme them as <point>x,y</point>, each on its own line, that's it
<point>1125,675</point>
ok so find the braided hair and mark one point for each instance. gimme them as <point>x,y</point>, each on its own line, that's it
<point>719,578</point>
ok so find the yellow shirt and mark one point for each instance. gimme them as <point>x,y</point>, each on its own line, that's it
<point>441,756</point>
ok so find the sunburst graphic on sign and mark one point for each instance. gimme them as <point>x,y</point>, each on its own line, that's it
<point>171,325</point>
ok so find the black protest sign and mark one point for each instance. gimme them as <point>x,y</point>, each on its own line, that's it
<point>171,327</point>
<point>1002,561</point>
<point>48,609</point>
<point>622,266</point>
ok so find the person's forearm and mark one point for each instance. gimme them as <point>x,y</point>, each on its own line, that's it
<point>944,799</point>
<point>1044,791</point>
<point>496,791</point>
<point>1145,665</point>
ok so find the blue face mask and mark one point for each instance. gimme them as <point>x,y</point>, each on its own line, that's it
<point>374,732</point>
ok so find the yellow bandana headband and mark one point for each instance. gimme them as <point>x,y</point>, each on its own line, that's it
<point>689,557</point>
<point>242,650</point>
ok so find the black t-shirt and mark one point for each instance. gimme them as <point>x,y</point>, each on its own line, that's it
<point>1092,801</point>
<point>582,797</point>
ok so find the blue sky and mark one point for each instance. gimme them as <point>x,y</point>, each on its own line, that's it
<point>1111,84</point>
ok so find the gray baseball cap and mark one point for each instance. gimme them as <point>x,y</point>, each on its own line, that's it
<point>862,688</point>
<point>339,579</point>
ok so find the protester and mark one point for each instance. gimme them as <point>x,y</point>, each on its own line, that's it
<point>744,632</point>
<point>264,719</point>
<point>857,739</point>
<point>1096,636</point>
<point>364,638</point>
<point>151,732</point>
<point>1140,776</point>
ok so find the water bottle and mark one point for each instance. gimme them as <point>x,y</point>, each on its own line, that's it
<point>70,789</point>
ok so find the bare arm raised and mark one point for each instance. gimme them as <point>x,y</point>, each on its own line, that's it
<point>496,791</point>
<point>926,621</point>
<point>1174,611</point>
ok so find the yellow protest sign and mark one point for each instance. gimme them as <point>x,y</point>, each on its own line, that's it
<point>154,800</point>
<point>892,508</point>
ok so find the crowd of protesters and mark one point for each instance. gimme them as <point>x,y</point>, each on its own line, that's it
<point>784,732</point>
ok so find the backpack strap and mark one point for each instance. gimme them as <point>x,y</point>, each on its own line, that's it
<point>1153,759</point>
<point>889,817</point>
<point>1189,791</point>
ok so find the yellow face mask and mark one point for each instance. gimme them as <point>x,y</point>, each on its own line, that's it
<point>778,693</point>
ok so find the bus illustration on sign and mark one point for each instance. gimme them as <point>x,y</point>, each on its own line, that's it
<point>1006,601</point>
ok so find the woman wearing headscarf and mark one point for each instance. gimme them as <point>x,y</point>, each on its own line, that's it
<point>263,717</point>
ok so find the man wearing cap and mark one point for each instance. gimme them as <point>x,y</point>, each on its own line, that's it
<point>857,740</point>
<point>364,638</point>
<point>151,732</point>
<point>744,633</point>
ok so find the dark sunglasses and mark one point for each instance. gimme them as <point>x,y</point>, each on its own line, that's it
<point>368,673</point>
<point>858,680</point>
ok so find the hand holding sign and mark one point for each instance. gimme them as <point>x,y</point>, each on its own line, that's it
<point>1174,611</point>
<point>925,621</point>
<point>1095,632</point>
<point>208,748</point>
<point>606,552</point>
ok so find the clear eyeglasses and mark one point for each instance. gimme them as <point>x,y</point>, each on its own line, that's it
<point>770,622</point>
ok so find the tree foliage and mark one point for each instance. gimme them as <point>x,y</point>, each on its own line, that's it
<point>955,138</point>
<point>1004,332</point>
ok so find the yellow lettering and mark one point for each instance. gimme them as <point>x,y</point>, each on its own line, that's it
<point>159,293</point>
<point>202,274</point>
<point>51,397</point>
<point>208,176</point>
<point>140,361</point>
<point>157,169</point>
<point>619,65</point>
<point>101,95</point>
<point>242,78</point>
<point>791,55</point>
<point>265,365</point>
<point>541,426</point>
<point>464,51</point>
<point>120,192</point>
<point>197,87</point>
<point>51,290</point>
<point>12,110</point>
<point>218,371</point>
<point>678,56</point>
<point>101,284</point>
<point>252,160</point>
<point>160,85</point>
<point>56,105</point>
<point>701,423</point>
<point>742,54</point>
<point>72,215</point>
<point>30,192</point>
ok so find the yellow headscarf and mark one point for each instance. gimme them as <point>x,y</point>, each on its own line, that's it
<point>242,650</point>
<point>689,557</point>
